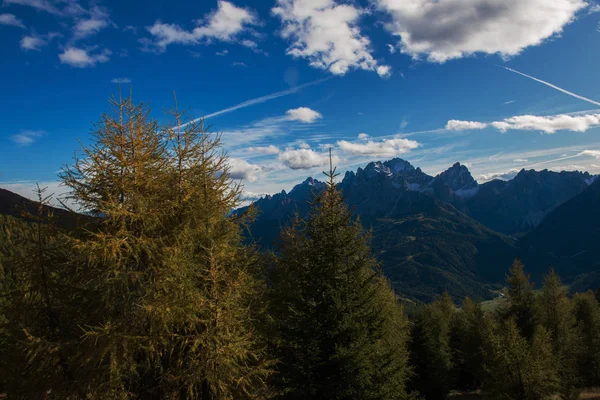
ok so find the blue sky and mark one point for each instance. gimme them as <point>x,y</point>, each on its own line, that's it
<point>498,85</point>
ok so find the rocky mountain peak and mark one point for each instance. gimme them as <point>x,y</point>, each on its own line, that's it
<point>458,177</point>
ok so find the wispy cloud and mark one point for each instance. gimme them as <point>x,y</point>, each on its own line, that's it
<point>122,80</point>
<point>27,137</point>
<point>11,20</point>
<point>261,99</point>
<point>565,91</point>
<point>81,58</point>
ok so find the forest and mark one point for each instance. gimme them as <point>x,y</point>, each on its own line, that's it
<point>155,292</point>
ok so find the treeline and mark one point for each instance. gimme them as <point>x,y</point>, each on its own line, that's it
<point>159,296</point>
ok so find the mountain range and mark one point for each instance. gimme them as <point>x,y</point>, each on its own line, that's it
<point>443,233</point>
<point>448,232</point>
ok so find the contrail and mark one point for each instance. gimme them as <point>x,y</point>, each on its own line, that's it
<point>259,100</point>
<point>553,86</point>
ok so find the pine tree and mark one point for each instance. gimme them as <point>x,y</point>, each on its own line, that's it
<point>172,292</point>
<point>555,313</point>
<point>431,351</point>
<point>470,338</point>
<point>520,369</point>
<point>587,313</point>
<point>522,299</point>
<point>341,332</point>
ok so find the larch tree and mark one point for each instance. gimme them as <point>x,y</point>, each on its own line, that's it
<point>341,332</point>
<point>518,368</point>
<point>555,313</point>
<point>173,290</point>
<point>38,315</point>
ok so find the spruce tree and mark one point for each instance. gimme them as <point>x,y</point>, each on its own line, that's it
<point>522,299</point>
<point>555,313</point>
<point>341,331</point>
<point>470,337</point>
<point>172,292</point>
<point>587,313</point>
<point>431,351</point>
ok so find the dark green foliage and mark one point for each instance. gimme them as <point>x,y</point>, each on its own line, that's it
<point>341,331</point>
<point>517,368</point>
<point>522,299</point>
<point>555,314</point>
<point>431,351</point>
<point>587,313</point>
<point>469,341</point>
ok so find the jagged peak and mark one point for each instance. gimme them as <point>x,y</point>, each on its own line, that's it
<point>308,182</point>
<point>397,165</point>
<point>458,177</point>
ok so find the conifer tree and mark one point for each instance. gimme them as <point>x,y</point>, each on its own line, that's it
<point>172,290</point>
<point>587,313</point>
<point>341,331</point>
<point>470,337</point>
<point>555,313</point>
<point>431,351</point>
<point>38,323</point>
<point>522,299</point>
<point>520,369</point>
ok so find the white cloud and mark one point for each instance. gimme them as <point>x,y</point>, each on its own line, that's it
<point>303,114</point>
<point>121,80</point>
<point>384,71</point>
<point>549,124</point>
<point>242,169</point>
<point>504,176</point>
<point>457,125</point>
<point>11,20</point>
<point>239,64</point>
<point>42,5</point>
<point>446,29</point>
<point>225,24</point>
<point>327,34</point>
<point>98,19</point>
<point>520,160</point>
<point>304,159</point>
<point>270,149</point>
<point>591,153</point>
<point>387,147</point>
<point>27,137</point>
<point>32,43</point>
<point>81,58</point>
<point>363,136</point>
<point>222,53</point>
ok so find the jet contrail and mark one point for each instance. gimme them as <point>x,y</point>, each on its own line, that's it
<point>259,100</point>
<point>553,86</point>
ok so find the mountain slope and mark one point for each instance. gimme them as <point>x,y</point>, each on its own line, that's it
<point>568,239</point>
<point>426,246</point>
<point>519,205</point>
<point>17,206</point>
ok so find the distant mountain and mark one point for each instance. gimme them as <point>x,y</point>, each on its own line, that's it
<point>568,239</point>
<point>426,245</point>
<point>520,204</point>
<point>17,206</point>
<point>429,231</point>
